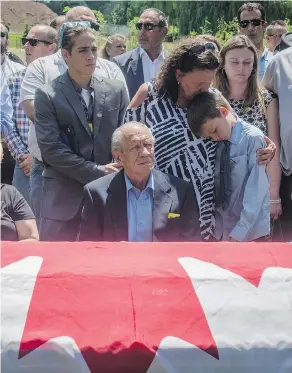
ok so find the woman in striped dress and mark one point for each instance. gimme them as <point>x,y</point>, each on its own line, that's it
<point>190,68</point>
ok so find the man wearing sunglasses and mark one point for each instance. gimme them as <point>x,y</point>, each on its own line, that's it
<point>41,41</point>
<point>274,32</point>
<point>45,70</point>
<point>251,21</point>
<point>142,64</point>
<point>8,67</point>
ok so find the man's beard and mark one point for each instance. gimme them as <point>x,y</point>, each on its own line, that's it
<point>4,48</point>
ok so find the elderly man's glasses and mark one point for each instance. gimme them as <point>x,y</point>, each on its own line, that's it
<point>33,42</point>
<point>254,22</point>
<point>148,26</point>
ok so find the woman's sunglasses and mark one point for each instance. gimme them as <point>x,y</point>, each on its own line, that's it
<point>148,26</point>
<point>254,22</point>
<point>3,34</point>
<point>33,42</point>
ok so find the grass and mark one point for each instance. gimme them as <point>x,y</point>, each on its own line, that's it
<point>15,40</point>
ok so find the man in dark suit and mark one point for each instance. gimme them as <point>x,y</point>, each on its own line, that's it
<point>142,64</point>
<point>75,117</point>
<point>138,203</point>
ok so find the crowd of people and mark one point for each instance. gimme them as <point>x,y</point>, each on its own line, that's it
<point>192,144</point>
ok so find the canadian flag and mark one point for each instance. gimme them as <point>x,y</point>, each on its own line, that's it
<point>146,308</point>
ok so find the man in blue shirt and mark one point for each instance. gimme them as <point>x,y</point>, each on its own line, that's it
<point>241,184</point>
<point>252,22</point>
<point>138,203</point>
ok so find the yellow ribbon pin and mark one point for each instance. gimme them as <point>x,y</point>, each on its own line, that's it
<point>172,215</point>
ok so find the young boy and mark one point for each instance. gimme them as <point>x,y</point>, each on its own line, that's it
<point>241,185</point>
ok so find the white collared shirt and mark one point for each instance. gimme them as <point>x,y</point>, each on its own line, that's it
<point>9,67</point>
<point>151,68</point>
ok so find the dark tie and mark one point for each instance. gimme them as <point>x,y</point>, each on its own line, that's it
<point>223,195</point>
<point>87,110</point>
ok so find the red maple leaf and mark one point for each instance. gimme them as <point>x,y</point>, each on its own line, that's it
<point>119,300</point>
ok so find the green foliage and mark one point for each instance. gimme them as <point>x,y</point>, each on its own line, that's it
<point>99,17</point>
<point>173,33</point>
<point>132,25</point>
<point>66,9</point>
<point>289,24</point>
<point>206,28</point>
<point>225,30</point>
<point>26,31</point>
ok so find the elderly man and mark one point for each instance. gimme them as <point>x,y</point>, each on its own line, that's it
<point>278,78</point>
<point>75,116</point>
<point>142,64</point>
<point>138,203</point>
<point>252,23</point>
<point>41,41</point>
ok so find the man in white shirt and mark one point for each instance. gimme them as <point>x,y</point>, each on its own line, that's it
<point>278,79</point>
<point>142,64</point>
<point>45,70</point>
<point>8,67</point>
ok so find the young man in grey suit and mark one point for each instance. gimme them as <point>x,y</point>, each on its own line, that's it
<point>75,116</point>
<point>138,203</point>
<point>142,64</point>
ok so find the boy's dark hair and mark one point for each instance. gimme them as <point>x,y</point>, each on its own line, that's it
<point>251,6</point>
<point>204,106</point>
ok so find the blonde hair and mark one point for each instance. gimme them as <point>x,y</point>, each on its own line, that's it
<point>253,92</point>
<point>110,40</point>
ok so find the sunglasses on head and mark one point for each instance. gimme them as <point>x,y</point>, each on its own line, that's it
<point>196,50</point>
<point>254,22</point>
<point>148,26</point>
<point>33,42</point>
<point>93,25</point>
<point>81,23</point>
<point>3,34</point>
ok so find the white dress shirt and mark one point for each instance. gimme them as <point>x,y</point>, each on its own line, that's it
<point>151,68</point>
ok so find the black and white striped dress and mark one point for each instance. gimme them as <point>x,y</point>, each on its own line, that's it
<point>180,153</point>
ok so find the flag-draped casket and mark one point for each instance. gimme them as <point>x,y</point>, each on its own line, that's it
<point>146,308</point>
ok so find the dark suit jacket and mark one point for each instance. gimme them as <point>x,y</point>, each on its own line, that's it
<point>131,65</point>
<point>104,216</point>
<point>66,143</point>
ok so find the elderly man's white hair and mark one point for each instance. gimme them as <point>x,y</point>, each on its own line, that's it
<point>118,133</point>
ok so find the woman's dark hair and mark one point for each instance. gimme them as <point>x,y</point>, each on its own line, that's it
<point>189,55</point>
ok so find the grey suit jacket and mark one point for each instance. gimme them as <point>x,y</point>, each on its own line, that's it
<point>104,215</point>
<point>67,144</point>
<point>131,65</point>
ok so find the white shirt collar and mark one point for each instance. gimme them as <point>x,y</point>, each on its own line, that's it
<point>161,55</point>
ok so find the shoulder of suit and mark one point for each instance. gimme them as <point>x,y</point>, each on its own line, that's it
<point>101,183</point>
<point>123,58</point>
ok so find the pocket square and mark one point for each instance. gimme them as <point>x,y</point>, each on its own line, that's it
<point>172,215</point>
